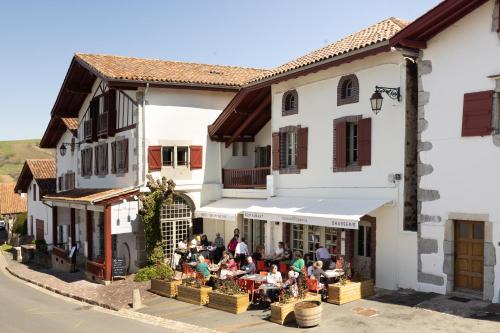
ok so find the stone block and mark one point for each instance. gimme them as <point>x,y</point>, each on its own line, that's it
<point>429,218</point>
<point>427,195</point>
<point>448,247</point>
<point>424,169</point>
<point>424,67</point>
<point>489,254</point>
<point>448,265</point>
<point>427,246</point>
<point>422,125</point>
<point>423,98</point>
<point>430,279</point>
<point>424,146</point>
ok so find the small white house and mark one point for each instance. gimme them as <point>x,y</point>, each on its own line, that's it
<point>38,178</point>
<point>307,161</point>
<point>132,117</point>
<point>459,142</point>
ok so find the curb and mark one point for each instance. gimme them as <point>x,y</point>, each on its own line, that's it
<point>62,293</point>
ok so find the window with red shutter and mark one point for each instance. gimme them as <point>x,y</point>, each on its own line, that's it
<point>477,114</point>
<point>365,141</point>
<point>302,137</point>
<point>110,106</point>
<point>276,151</point>
<point>196,156</point>
<point>154,158</point>
<point>341,145</point>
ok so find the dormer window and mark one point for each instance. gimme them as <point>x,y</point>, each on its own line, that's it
<point>348,90</point>
<point>290,103</point>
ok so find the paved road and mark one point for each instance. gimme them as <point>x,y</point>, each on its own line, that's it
<point>24,308</point>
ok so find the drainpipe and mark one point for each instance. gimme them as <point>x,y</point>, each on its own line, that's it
<point>141,139</point>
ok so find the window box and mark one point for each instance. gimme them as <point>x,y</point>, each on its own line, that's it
<point>196,296</point>
<point>229,303</point>
<point>164,287</point>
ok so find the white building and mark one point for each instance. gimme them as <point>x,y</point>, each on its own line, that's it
<point>306,161</point>
<point>459,80</point>
<point>133,117</point>
<point>38,178</point>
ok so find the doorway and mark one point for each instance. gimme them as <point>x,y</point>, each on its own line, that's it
<point>40,229</point>
<point>362,250</point>
<point>469,255</point>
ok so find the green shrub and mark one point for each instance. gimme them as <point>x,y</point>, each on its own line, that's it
<point>21,225</point>
<point>41,245</point>
<point>162,272</point>
<point>157,256</point>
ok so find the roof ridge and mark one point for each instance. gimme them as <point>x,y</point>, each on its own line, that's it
<point>78,54</point>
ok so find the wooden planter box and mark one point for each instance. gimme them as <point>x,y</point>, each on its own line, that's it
<point>351,291</point>
<point>284,313</point>
<point>197,296</point>
<point>165,288</point>
<point>229,303</point>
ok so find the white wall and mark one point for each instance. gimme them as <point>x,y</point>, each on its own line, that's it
<point>465,168</point>
<point>396,262</point>
<point>38,210</point>
<point>68,162</point>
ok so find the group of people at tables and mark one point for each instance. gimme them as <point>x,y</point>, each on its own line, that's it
<point>237,262</point>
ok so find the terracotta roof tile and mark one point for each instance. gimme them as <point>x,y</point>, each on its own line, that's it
<point>10,201</point>
<point>42,168</point>
<point>88,195</point>
<point>163,71</point>
<point>374,34</point>
<point>71,123</point>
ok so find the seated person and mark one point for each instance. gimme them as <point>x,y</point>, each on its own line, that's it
<point>309,270</point>
<point>274,278</point>
<point>202,267</point>
<point>258,254</point>
<point>223,271</point>
<point>298,264</point>
<point>318,273</point>
<point>287,253</point>
<point>182,245</point>
<point>249,267</point>
<point>229,261</point>
<point>278,252</point>
<point>291,283</point>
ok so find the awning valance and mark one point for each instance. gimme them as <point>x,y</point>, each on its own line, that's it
<point>324,212</point>
<point>226,209</point>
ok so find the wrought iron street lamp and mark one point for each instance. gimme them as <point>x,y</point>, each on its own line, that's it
<point>377,99</point>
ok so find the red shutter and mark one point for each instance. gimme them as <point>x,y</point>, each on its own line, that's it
<point>94,114</point>
<point>341,145</point>
<point>125,155</point>
<point>154,158</point>
<point>478,108</point>
<point>113,157</point>
<point>302,136</point>
<point>268,156</point>
<point>276,151</point>
<point>365,141</point>
<point>196,156</point>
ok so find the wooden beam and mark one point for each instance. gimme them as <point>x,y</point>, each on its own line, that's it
<point>263,104</point>
<point>108,255</point>
<point>73,227</point>
<point>54,225</point>
<point>89,219</point>
<point>413,44</point>
<point>78,90</point>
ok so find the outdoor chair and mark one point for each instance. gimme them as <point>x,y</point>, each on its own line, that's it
<point>208,261</point>
<point>250,288</point>
<point>263,273</point>
<point>187,270</point>
<point>312,285</point>
<point>261,265</point>
<point>201,277</point>
<point>283,268</point>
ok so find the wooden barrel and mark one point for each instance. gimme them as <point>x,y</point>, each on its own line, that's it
<point>308,313</point>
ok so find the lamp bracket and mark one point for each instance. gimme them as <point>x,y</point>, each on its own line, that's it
<point>393,93</point>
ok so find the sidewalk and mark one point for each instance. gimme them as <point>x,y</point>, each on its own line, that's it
<point>115,296</point>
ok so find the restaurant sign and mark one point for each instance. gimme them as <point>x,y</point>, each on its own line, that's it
<point>216,215</point>
<point>304,219</point>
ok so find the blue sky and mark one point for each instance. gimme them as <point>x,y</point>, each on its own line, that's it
<point>38,39</point>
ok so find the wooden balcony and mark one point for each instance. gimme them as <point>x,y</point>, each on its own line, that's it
<point>102,125</point>
<point>245,178</point>
<point>87,130</point>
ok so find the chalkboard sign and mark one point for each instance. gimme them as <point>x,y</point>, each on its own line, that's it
<point>119,267</point>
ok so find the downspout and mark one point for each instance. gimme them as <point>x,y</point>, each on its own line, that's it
<point>141,139</point>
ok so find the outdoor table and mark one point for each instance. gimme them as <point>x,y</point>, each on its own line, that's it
<point>236,273</point>
<point>333,274</point>
<point>213,268</point>
<point>269,286</point>
<point>255,277</point>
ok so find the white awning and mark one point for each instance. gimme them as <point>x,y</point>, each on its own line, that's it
<point>324,212</point>
<point>226,209</point>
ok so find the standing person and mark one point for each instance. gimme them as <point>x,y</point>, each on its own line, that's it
<point>241,251</point>
<point>231,247</point>
<point>236,232</point>
<point>323,255</point>
<point>219,248</point>
<point>298,264</point>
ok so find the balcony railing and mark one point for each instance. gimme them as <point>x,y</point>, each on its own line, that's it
<point>102,124</point>
<point>245,178</point>
<point>95,269</point>
<point>87,130</point>
<point>59,252</point>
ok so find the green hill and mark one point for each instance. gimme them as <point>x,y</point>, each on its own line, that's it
<point>14,153</point>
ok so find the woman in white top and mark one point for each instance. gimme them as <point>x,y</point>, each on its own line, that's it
<point>274,277</point>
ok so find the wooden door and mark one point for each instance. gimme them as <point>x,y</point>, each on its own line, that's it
<point>39,230</point>
<point>469,255</point>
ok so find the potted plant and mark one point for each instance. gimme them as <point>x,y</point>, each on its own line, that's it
<point>227,296</point>
<point>164,283</point>
<point>308,313</point>
<point>192,290</point>
<point>282,312</point>
<point>346,291</point>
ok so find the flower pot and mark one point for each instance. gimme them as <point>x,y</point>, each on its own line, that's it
<point>284,313</point>
<point>308,313</point>
<point>229,303</point>
<point>349,292</point>
<point>197,296</point>
<point>164,287</point>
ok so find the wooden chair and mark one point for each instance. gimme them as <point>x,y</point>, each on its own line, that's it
<point>261,265</point>
<point>312,285</point>
<point>187,270</point>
